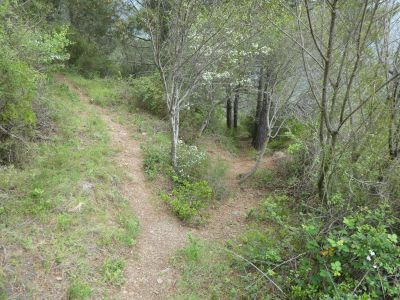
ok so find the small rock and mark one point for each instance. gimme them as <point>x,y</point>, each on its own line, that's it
<point>237,213</point>
<point>144,133</point>
<point>165,271</point>
<point>58,278</point>
<point>159,280</point>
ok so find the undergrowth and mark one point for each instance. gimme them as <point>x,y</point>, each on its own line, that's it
<point>286,255</point>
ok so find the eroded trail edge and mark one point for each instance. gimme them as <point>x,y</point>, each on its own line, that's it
<point>149,273</point>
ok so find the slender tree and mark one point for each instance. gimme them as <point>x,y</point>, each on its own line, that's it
<point>229,111</point>
<point>339,48</point>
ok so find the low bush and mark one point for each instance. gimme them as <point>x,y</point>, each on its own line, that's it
<point>195,184</point>
<point>287,254</point>
<point>264,178</point>
<point>192,162</point>
<point>113,271</point>
<point>355,257</point>
<point>215,176</point>
<point>79,291</point>
<point>188,199</point>
<point>156,156</point>
<point>358,258</point>
<point>26,54</point>
<point>147,94</point>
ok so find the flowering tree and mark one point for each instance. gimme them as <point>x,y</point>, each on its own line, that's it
<point>187,37</point>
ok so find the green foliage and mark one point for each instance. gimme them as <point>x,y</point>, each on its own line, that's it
<point>113,271</point>
<point>192,162</point>
<point>273,208</point>
<point>362,256</point>
<point>215,176</point>
<point>25,51</point>
<point>79,291</point>
<point>196,182</point>
<point>147,93</point>
<point>357,257</point>
<point>156,156</point>
<point>289,137</point>
<point>94,34</point>
<point>264,178</point>
<point>187,200</point>
<point>193,250</point>
<point>87,57</point>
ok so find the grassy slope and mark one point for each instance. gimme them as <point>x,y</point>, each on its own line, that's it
<point>63,225</point>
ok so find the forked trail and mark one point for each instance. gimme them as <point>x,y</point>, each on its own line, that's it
<point>149,272</point>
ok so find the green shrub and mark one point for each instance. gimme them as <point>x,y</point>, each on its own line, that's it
<point>215,176</point>
<point>87,58</point>
<point>264,178</point>
<point>79,291</point>
<point>187,200</point>
<point>360,257</point>
<point>192,250</point>
<point>156,156</point>
<point>192,162</point>
<point>17,91</point>
<point>24,51</point>
<point>357,258</point>
<point>273,208</point>
<point>113,271</point>
<point>147,94</point>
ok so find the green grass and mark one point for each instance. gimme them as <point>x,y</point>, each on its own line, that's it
<point>102,91</point>
<point>222,271</point>
<point>79,290</point>
<point>206,273</point>
<point>61,215</point>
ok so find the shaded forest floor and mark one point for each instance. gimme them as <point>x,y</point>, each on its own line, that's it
<point>149,272</point>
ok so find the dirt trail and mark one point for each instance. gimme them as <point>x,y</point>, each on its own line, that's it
<point>149,273</point>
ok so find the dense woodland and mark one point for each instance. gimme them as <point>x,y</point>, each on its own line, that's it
<point>289,109</point>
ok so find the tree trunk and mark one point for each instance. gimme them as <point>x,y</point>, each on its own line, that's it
<point>258,107</point>
<point>236,107</point>
<point>205,123</point>
<point>394,123</point>
<point>258,161</point>
<point>326,167</point>
<point>262,124</point>
<point>207,119</point>
<point>229,120</point>
<point>174,117</point>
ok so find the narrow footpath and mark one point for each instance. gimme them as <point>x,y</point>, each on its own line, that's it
<point>149,272</point>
